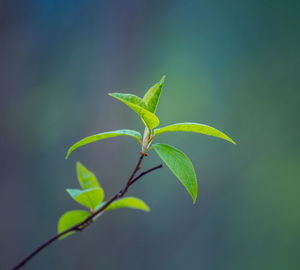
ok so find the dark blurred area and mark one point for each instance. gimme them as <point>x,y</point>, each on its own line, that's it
<point>233,65</point>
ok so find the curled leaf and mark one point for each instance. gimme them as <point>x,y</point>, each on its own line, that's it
<point>152,96</point>
<point>149,118</point>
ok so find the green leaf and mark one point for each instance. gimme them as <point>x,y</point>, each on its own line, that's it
<point>70,219</point>
<point>152,96</point>
<point>193,127</point>
<point>86,178</point>
<point>104,135</point>
<point>180,165</point>
<point>89,198</point>
<point>130,98</point>
<point>129,202</point>
<point>149,118</point>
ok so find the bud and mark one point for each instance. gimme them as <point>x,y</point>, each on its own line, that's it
<point>146,139</point>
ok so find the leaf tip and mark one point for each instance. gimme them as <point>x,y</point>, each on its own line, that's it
<point>146,208</point>
<point>194,199</point>
<point>231,140</point>
<point>228,139</point>
<point>78,165</point>
<point>67,155</point>
<point>69,191</point>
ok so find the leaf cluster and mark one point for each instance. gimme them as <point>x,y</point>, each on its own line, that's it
<point>91,196</point>
<point>145,107</point>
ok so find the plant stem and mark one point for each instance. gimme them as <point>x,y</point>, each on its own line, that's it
<point>82,225</point>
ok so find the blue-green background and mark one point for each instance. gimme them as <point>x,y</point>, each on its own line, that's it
<point>230,64</point>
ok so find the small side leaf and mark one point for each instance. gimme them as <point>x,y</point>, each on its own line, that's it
<point>86,178</point>
<point>89,198</point>
<point>149,118</point>
<point>180,165</point>
<point>152,96</point>
<point>104,135</point>
<point>70,219</point>
<point>128,202</point>
<point>193,127</point>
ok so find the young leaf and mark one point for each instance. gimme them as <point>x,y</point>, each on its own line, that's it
<point>70,219</point>
<point>193,127</point>
<point>89,198</point>
<point>130,98</point>
<point>86,178</point>
<point>180,165</point>
<point>149,118</point>
<point>152,96</point>
<point>104,135</point>
<point>128,202</point>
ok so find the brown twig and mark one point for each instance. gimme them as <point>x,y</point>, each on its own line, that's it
<point>82,225</point>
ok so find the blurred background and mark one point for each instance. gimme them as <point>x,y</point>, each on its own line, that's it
<point>233,65</point>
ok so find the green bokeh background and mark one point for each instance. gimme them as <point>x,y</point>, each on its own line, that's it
<point>230,64</point>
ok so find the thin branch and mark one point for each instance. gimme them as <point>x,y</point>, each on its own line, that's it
<point>82,225</point>
<point>145,172</point>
